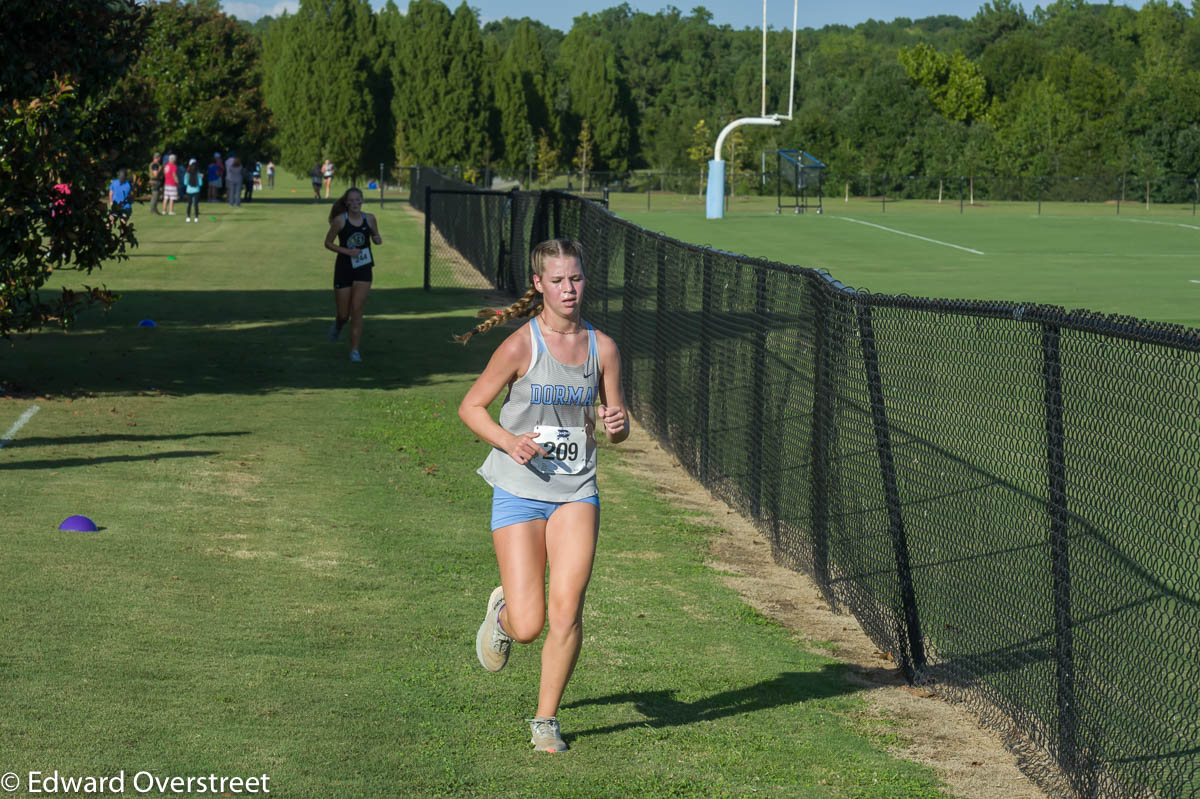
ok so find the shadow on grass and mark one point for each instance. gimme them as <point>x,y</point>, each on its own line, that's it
<point>64,463</point>
<point>249,342</point>
<point>662,709</point>
<point>46,441</point>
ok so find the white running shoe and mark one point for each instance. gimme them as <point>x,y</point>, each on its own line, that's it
<point>491,642</point>
<point>546,735</point>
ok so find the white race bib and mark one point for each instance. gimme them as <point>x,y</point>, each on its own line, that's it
<point>565,448</point>
<point>362,259</point>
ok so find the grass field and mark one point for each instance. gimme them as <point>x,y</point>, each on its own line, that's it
<point>1143,263</point>
<point>294,553</point>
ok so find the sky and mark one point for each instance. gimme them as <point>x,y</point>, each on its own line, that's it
<point>735,13</point>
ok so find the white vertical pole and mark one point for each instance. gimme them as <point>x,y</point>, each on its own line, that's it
<point>792,82</point>
<point>764,61</point>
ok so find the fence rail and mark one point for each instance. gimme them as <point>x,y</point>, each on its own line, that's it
<point>962,191</point>
<point>1005,495</point>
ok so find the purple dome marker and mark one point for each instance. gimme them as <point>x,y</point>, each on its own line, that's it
<point>79,524</point>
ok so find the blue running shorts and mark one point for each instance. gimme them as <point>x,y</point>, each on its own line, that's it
<point>510,509</point>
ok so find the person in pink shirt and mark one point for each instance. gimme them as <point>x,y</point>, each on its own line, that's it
<point>170,185</point>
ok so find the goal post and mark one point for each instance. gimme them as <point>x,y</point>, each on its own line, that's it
<point>715,197</point>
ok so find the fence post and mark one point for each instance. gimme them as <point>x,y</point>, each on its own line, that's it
<point>516,248</point>
<point>661,325</point>
<point>755,432</point>
<point>1039,181</point>
<point>381,184</point>
<point>428,232</point>
<point>962,189</point>
<point>1120,192</point>
<point>884,187</point>
<point>706,342</point>
<point>1060,556</point>
<point>910,640</point>
<point>822,418</point>
<point>631,312</point>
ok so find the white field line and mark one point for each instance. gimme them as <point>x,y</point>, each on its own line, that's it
<point>1168,224</point>
<point>17,425</point>
<point>911,235</point>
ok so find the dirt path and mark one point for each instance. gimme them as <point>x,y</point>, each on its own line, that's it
<point>973,760</point>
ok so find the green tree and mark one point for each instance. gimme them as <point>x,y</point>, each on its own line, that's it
<point>589,69</point>
<point>320,66</point>
<point>521,96</point>
<point>1033,130</point>
<point>468,100</point>
<point>204,74</point>
<point>424,101</point>
<point>547,157</point>
<point>954,83</point>
<point>995,21</point>
<point>583,155</point>
<point>700,151</point>
<point>64,120</point>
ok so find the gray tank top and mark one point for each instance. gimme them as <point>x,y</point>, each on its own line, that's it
<point>558,401</point>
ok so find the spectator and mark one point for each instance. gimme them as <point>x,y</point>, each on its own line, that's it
<point>271,174</point>
<point>316,181</point>
<point>213,176</point>
<point>233,180</point>
<point>120,196</point>
<point>193,181</point>
<point>155,181</point>
<point>248,175</point>
<point>170,185</point>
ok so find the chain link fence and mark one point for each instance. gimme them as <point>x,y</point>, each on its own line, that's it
<point>1004,495</point>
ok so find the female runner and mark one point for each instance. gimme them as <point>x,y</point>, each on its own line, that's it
<point>542,469</point>
<point>352,268</point>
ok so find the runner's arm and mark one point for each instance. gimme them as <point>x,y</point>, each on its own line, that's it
<point>501,370</point>
<point>335,227</point>
<point>612,399</point>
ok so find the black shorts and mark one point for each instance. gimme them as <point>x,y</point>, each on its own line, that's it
<point>344,275</point>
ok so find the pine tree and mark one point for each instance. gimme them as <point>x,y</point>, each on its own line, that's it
<point>596,94</point>
<point>468,99</point>
<point>321,63</point>
<point>520,97</point>
<point>421,62</point>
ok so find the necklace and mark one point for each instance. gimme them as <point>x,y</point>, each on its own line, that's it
<point>542,319</point>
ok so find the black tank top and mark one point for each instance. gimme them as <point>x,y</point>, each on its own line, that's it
<point>357,236</point>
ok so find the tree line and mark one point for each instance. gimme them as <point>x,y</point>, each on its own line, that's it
<point>1071,88</point>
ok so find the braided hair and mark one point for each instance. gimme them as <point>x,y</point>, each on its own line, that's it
<point>530,303</point>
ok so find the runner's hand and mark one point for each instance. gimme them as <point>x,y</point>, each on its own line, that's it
<point>354,252</point>
<point>522,448</point>
<point>613,418</point>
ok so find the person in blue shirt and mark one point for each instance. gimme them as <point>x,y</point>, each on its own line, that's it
<point>120,196</point>
<point>193,181</point>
